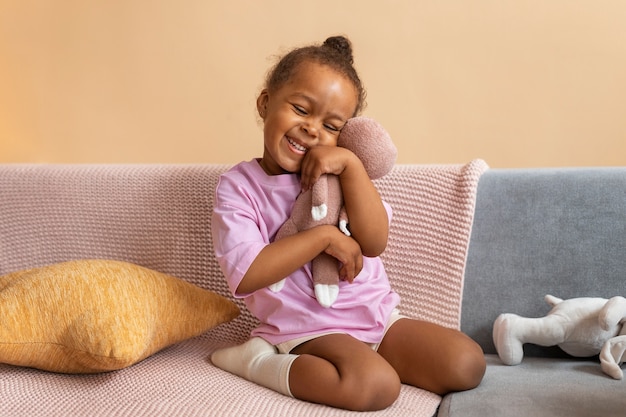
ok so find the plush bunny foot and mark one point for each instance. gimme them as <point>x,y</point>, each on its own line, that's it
<point>326,294</point>
<point>319,212</point>
<point>277,286</point>
<point>508,345</point>
<point>343,226</point>
<point>613,353</point>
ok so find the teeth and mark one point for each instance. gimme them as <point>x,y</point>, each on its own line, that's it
<point>296,145</point>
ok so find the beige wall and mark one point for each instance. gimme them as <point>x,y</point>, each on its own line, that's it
<point>517,83</point>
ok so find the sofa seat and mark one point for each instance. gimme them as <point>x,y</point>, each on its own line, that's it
<point>177,381</point>
<point>540,386</point>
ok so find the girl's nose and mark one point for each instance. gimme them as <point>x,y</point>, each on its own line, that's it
<point>310,128</point>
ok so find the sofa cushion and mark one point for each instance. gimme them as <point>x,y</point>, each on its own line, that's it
<point>540,387</point>
<point>99,315</point>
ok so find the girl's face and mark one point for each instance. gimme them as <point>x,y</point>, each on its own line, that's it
<point>309,109</point>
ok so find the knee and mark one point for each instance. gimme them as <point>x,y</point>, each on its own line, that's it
<point>374,391</point>
<point>467,368</point>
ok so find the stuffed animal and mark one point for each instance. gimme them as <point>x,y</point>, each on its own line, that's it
<point>579,326</point>
<point>323,203</point>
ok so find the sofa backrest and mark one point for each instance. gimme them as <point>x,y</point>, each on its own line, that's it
<point>158,216</point>
<point>538,232</point>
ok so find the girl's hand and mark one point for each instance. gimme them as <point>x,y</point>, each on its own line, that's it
<point>321,160</point>
<point>369,223</point>
<point>347,251</point>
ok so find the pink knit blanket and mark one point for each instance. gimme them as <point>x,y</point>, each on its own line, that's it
<point>158,216</point>
<point>433,210</point>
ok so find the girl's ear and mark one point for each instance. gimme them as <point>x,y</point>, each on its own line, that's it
<point>261,103</point>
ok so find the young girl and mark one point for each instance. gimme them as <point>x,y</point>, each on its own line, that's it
<point>356,354</point>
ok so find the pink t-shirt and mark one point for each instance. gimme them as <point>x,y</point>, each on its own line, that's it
<point>250,207</point>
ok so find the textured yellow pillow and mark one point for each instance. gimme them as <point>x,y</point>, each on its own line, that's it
<point>98,315</point>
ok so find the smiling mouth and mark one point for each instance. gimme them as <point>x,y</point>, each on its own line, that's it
<point>296,146</point>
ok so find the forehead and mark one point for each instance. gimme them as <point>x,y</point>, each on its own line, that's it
<point>322,83</point>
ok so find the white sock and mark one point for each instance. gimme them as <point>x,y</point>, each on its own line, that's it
<point>257,361</point>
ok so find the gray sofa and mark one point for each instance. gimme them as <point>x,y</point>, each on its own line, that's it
<point>534,231</point>
<point>537,232</point>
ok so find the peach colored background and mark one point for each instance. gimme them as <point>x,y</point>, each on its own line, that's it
<point>517,83</point>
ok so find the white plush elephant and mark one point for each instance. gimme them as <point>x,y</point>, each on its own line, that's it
<point>580,326</point>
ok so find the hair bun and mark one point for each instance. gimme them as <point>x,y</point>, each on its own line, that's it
<point>342,45</point>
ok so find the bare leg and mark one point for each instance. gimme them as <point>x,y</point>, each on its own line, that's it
<point>433,357</point>
<point>340,371</point>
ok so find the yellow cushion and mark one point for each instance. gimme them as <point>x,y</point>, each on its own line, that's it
<point>98,315</point>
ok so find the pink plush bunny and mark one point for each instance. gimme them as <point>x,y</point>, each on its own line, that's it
<point>323,204</point>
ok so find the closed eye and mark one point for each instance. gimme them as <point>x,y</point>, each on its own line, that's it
<point>300,110</point>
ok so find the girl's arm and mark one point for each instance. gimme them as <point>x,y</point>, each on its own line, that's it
<point>369,223</point>
<point>282,257</point>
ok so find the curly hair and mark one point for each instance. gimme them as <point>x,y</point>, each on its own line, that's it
<point>335,52</point>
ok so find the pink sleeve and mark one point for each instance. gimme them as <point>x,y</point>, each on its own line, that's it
<point>237,239</point>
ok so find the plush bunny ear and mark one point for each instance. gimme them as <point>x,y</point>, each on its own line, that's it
<point>613,313</point>
<point>369,140</point>
<point>612,355</point>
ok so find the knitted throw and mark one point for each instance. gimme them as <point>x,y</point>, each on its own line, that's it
<point>158,216</point>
